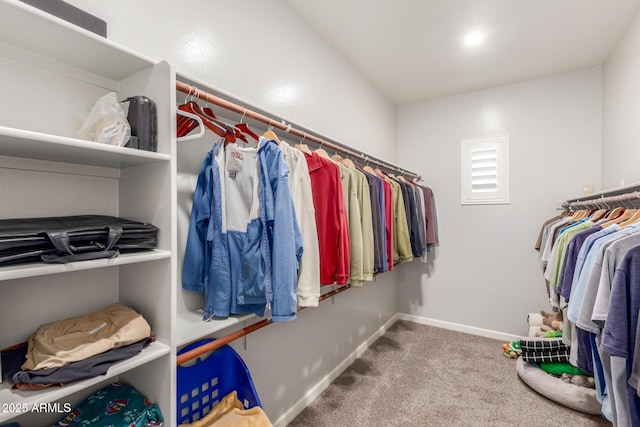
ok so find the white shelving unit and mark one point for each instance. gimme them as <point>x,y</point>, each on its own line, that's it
<point>21,271</point>
<point>37,145</point>
<point>53,72</point>
<point>26,399</point>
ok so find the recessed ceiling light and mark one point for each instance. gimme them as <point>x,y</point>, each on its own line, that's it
<point>474,38</point>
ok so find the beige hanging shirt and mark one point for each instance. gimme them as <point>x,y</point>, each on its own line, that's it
<point>300,188</point>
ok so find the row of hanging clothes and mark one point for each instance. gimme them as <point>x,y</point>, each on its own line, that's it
<point>272,222</point>
<point>591,259</point>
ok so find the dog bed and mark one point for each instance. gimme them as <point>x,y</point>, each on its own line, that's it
<point>572,396</point>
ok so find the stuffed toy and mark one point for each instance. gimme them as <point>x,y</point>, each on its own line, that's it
<point>549,318</point>
<point>579,380</point>
<point>512,349</point>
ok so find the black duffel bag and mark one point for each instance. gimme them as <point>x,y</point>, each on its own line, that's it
<point>72,238</point>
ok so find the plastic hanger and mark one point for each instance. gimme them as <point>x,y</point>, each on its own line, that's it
<point>193,108</point>
<point>197,119</point>
<point>184,124</point>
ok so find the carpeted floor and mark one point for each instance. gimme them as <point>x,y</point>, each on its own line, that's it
<point>417,375</point>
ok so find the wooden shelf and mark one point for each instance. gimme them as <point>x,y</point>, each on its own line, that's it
<point>42,146</point>
<point>26,399</point>
<point>190,326</point>
<point>20,271</point>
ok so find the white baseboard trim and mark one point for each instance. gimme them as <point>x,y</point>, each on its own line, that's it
<point>460,328</point>
<point>315,391</point>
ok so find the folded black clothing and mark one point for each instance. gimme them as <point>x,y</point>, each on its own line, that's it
<point>82,369</point>
<point>546,356</point>
<point>542,344</point>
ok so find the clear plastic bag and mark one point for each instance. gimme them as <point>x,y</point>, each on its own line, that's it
<point>107,123</point>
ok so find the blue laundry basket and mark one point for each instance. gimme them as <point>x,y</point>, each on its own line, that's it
<point>203,384</point>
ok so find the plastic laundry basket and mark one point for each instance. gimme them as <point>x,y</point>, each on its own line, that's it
<point>203,384</point>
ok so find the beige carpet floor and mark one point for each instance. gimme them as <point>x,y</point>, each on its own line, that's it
<point>417,375</point>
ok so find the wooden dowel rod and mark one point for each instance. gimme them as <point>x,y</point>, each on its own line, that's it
<point>186,88</point>
<point>219,342</point>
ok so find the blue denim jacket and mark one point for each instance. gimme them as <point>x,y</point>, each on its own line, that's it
<point>197,257</point>
<point>246,270</point>
<point>281,238</point>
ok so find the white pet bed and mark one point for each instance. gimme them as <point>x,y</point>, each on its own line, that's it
<point>570,395</point>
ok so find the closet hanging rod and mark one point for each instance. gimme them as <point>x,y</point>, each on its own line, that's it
<point>616,191</point>
<point>219,342</point>
<point>601,202</point>
<point>189,89</point>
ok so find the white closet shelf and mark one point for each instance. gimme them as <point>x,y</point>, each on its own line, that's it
<point>35,145</point>
<point>26,399</point>
<point>190,326</point>
<point>20,271</point>
<point>66,43</point>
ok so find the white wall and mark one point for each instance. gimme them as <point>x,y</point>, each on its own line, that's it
<point>486,273</point>
<point>261,51</point>
<point>621,110</point>
<point>265,53</point>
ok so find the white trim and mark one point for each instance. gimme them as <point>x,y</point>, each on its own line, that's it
<point>315,391</point>
<point>460,328</point>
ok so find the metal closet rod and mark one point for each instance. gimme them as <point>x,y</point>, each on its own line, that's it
<point>219,342</point>
<point>616,191</point>
<point>189,89</point>
<point>602,202</point>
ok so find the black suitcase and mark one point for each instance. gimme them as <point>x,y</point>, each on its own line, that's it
<point>72,238</point>
<point>143,118</point>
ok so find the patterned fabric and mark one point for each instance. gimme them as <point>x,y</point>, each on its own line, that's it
<point>537,345</point>
<point>546,356</point>
<point>117,405</point>
<point>544,350</point>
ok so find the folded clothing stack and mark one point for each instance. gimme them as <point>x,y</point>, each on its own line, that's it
<point>76,348</point>
<point>114,405</point>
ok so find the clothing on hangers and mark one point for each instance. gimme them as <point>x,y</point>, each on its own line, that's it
<point>250,239</point>
<point>331,220</point>
<point>300,188</point>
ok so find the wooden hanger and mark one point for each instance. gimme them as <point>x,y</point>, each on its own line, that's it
<point>269,134</point>
<point>338,159</point>
<point>303,147</point>
<point>193,108</point>
<point>348,163</point>
<point>321,152</point>
<point>231,129</point>
<point>245,129</point>
<point>633,219</point>
<point>615,213</point>
<point>369,169</point>
<point>627,214</point>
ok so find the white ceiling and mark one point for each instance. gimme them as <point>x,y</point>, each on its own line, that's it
<point>412,49</point>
